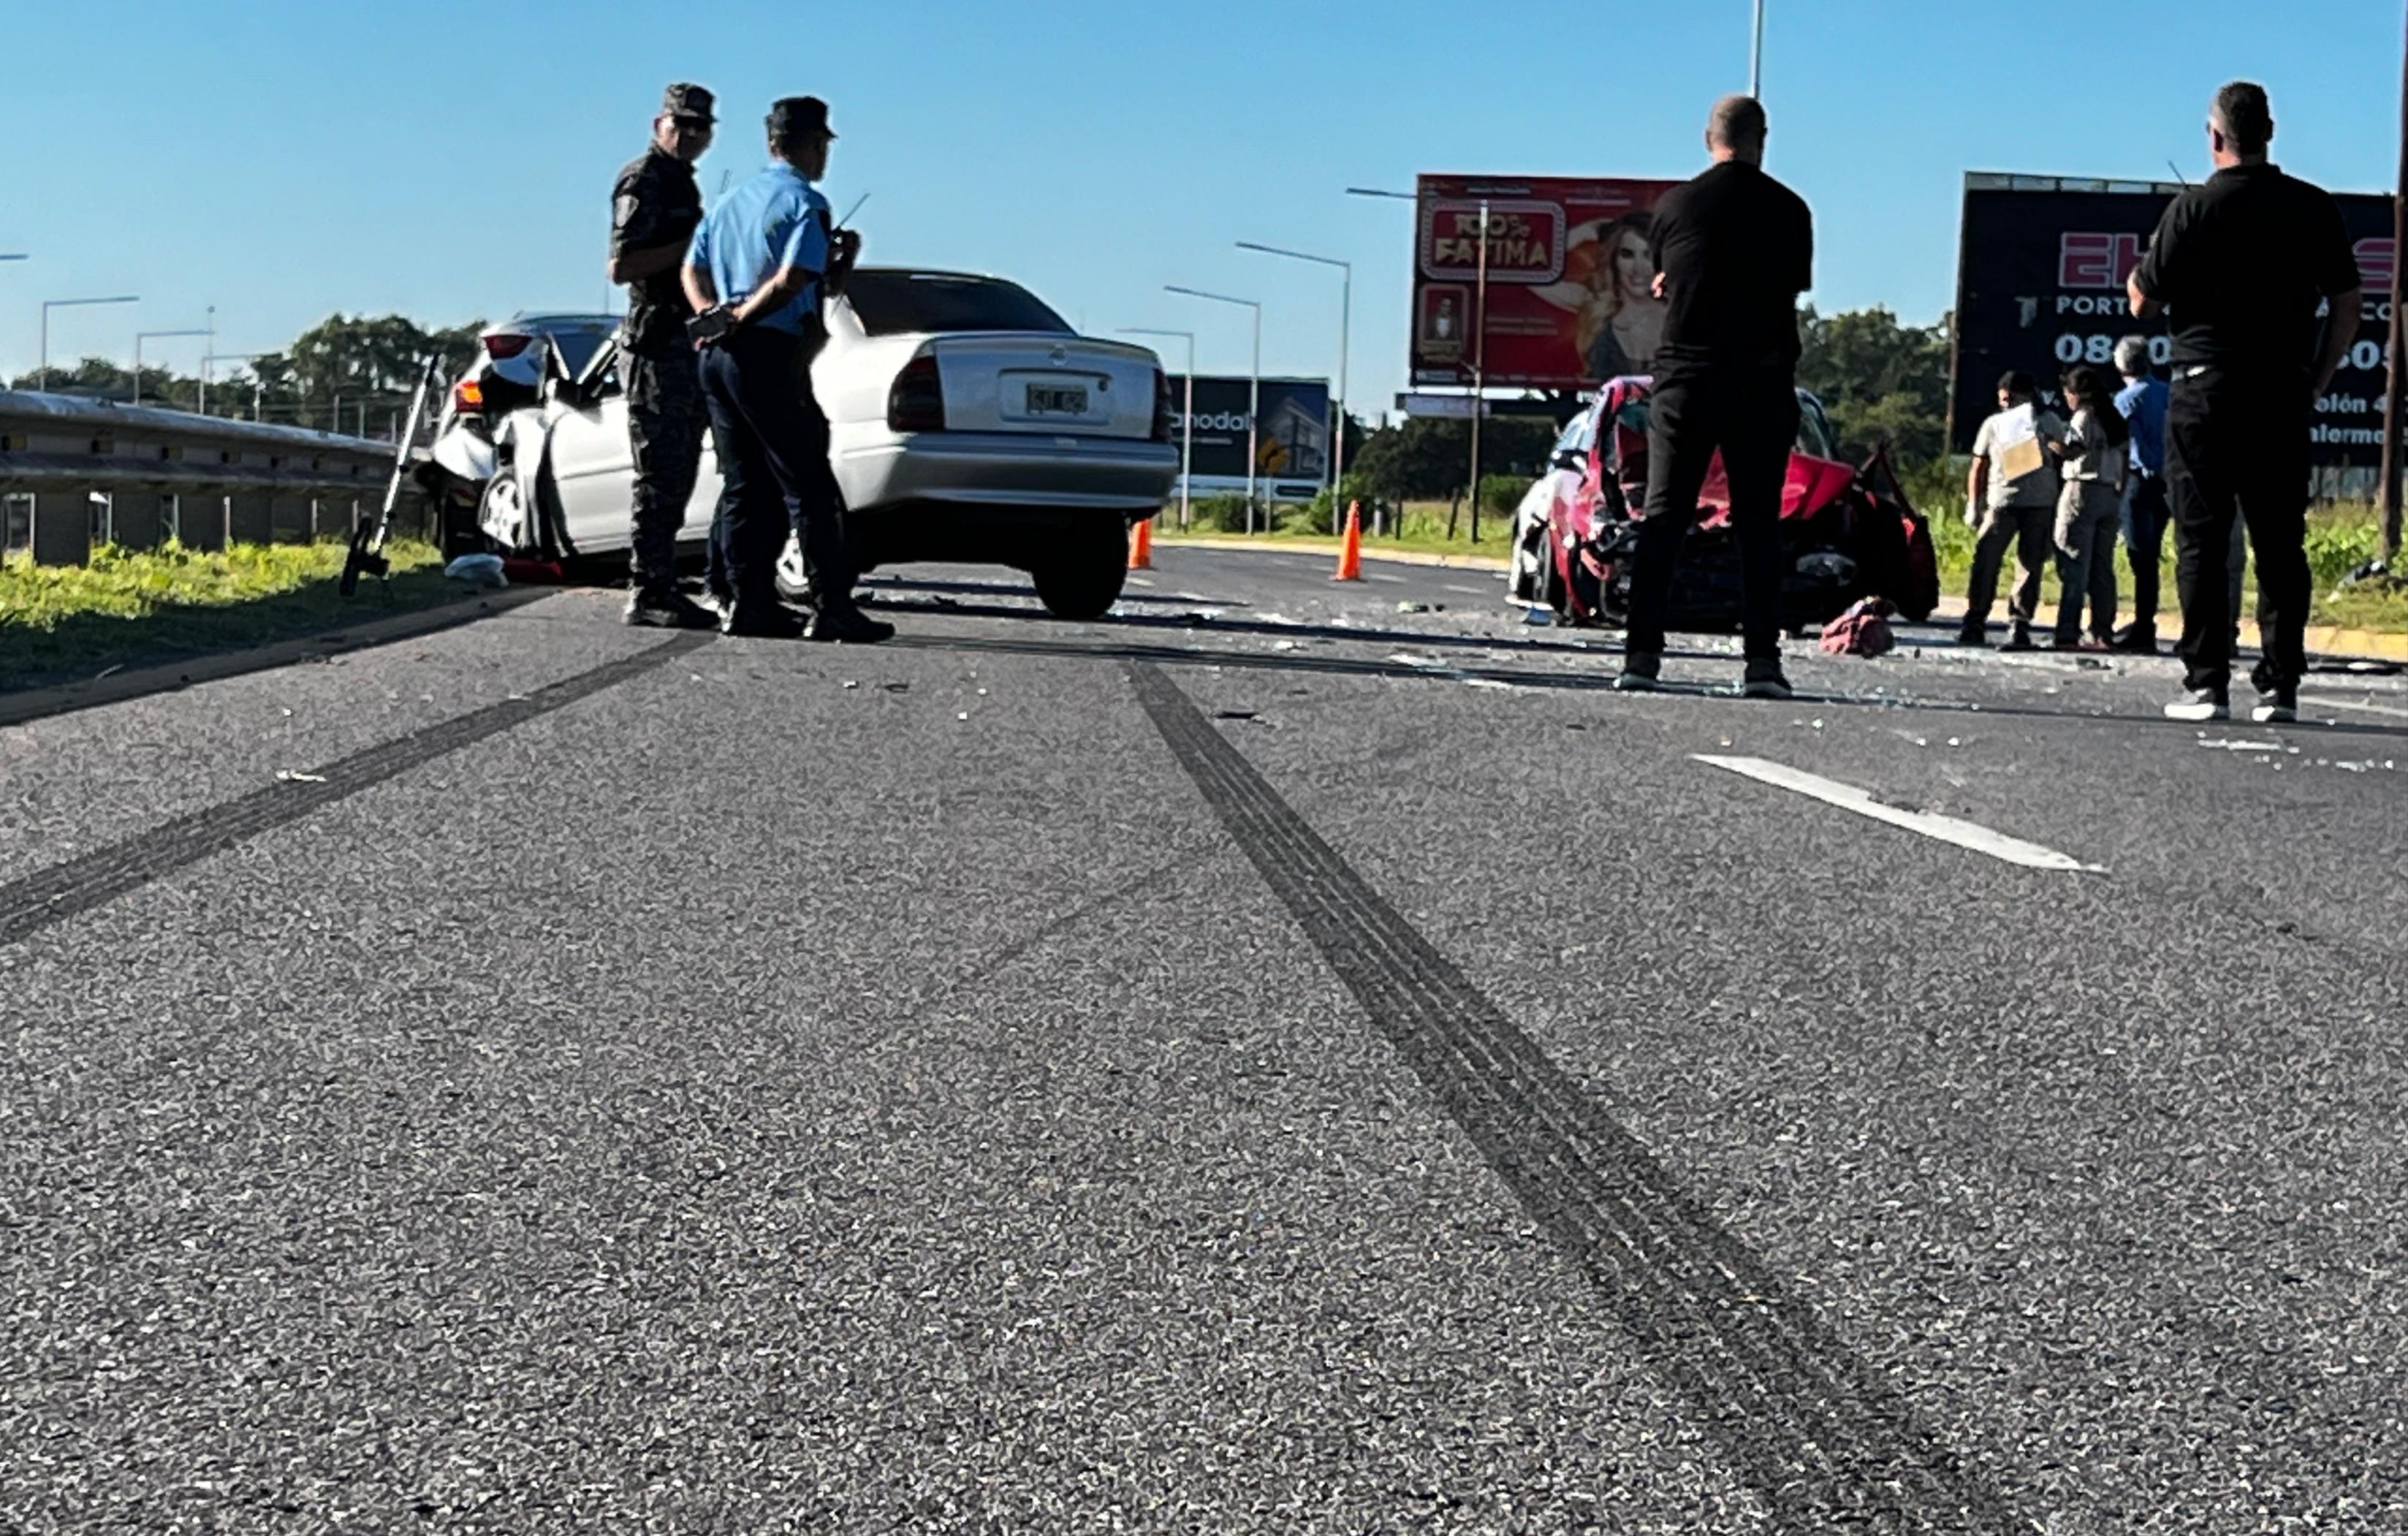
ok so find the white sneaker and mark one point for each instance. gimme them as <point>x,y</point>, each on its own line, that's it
<point>2200,705</point>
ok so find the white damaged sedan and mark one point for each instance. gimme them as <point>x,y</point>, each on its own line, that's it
<point>968,422</point>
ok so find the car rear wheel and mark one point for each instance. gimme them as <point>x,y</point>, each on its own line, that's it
<point>1083,579</point>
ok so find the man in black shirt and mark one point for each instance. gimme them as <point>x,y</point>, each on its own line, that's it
<point>2244,264</point>
<point>1733,249</point>
<point>654,206</point>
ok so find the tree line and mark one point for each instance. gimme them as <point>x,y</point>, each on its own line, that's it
<point>352,373</point>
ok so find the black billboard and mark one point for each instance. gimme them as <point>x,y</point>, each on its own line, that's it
<point>2039,285</point>
<point>1293,444</point>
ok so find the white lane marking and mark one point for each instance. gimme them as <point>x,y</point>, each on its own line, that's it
<point>2329,702</point>
<point>1963,834</point>
<point>1469,592</point>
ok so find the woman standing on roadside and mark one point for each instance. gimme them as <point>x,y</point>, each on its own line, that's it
<point>2090,509</point>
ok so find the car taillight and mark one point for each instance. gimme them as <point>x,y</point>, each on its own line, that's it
<point>916,403</point>
<point>1163,409</point>
<point>468,396</point>
<point>501,344</point>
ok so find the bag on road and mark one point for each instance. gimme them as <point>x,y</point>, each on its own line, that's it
<point>1863,630</point>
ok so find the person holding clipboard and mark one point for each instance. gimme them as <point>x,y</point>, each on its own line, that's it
<point>2011,499</point>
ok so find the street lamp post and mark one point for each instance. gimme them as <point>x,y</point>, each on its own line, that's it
<point>1346,324</point>
<point>1186,416</point>
<point>50,304</point>
<point>1414,198</point>
<point>259,386</point>
<point>1479,365</point>
<point>1756,56</point>
<point>139,337</point>
<point>1253,388</point>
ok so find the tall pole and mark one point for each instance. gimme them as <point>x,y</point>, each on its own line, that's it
<point>1338,432</point>
<point>1756,56</point>
<point>1254,392</point>
<point>1335,419</point>
<point>1253,422</point>
<point>139,337</point>
<point>50,304</point>
<point>2391,406</point>
<point>1187,416</point>
<point>1479,365</point>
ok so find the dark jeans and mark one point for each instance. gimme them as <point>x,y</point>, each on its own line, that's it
<point>772,440</point>
<point>2146,517</point>
<point>1750,417</point>
<point>2238,448</point>
<point>2144,531</point>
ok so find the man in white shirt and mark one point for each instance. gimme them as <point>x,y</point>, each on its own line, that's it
<point>2010,497</point>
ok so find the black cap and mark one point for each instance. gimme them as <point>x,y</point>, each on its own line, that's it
<point>688,101</point>
<point>799,117</point>
<point>2016,382</point>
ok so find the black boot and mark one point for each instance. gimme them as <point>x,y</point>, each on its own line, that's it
<point>656,609</point>
<point>843,621</point>
<point>762,619</point>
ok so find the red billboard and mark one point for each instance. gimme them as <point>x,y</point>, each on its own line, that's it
<point>1566,306</point>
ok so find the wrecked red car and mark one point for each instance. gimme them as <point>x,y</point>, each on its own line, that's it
<point>1848,531</point>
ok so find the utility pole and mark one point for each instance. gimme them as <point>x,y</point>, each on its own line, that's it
<point>2391,406</point>
<point>1479,362</point>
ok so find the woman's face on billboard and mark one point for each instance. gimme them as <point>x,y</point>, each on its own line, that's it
<point>1631,265</point>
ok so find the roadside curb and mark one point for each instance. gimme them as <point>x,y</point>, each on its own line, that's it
<point>1329,547</point>
<point>114,687</point>
<point>2322,639</point>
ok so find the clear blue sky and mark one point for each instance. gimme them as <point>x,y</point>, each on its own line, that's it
<point>281,159</point>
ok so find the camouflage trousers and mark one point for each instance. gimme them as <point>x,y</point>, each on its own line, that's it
<point>666,422</point>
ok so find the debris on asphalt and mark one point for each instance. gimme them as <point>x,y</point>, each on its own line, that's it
<point>1286,645</point>
<point>851,683</point>
<point>963,714</point>
<point>2234,744</point>
<point>897,687</point>
<point>1414,607</point>
<point>1406,658</point>
<point>1233,714</point>
<point>480,570</point>
<point>294,776</point>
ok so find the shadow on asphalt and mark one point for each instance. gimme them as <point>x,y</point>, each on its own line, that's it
<point>1192,622</point>
<point>883,584</point>
<point>1598,683</point>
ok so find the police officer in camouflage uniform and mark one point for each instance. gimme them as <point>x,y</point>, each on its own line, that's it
<point>654,206</point>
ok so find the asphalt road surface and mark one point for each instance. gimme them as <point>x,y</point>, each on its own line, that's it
<point>1289,1058</point>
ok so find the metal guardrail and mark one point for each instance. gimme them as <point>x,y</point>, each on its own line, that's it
<point>206,481</point>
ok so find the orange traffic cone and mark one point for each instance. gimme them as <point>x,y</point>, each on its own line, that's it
<point>1349,555</point>
<point>1141,547</point>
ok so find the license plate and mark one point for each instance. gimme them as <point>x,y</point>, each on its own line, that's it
<point>1057,399</point>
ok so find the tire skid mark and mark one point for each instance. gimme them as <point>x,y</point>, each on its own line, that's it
<point>1809,1428</point>
<point>36,901</point>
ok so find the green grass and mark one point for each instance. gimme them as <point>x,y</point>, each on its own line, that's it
<point>1421,528</point>
<point>2341,538</point>
<point>125,608</point>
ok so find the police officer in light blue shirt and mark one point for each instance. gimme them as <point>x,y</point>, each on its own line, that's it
<point>760,263</point>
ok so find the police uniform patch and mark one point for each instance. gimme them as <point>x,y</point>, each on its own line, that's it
<point>622,210</point>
